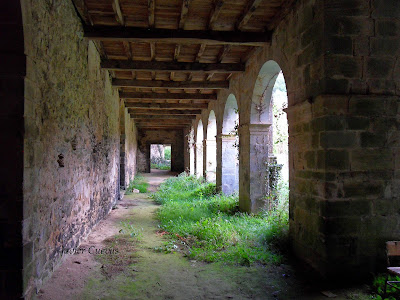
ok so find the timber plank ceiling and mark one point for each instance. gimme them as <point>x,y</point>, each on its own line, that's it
<point>169,58</point>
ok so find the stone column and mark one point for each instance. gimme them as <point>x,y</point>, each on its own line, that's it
<point>211,159</point>
<point>254,155</point>
<point>230,168</point>
<point>199,158</point>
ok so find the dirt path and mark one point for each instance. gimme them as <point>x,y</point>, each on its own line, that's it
<point>138,271</point>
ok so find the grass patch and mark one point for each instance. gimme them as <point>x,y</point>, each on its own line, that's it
<point>161,166</point>
<point>138,183</point>
<point>209,226</point>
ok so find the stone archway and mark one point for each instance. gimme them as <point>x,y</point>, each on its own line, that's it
<point>259,132</point>
<point>230,142</point>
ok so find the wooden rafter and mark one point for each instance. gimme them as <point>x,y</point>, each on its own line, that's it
<point>151,9</point>
<point>247,13</point>
<point>177,51</point>
<point>284,10</point>
<point>166,112</point>
<point>135,34</point>
<point>184,12</point>
<point>165,117</point>
<point>83,11</point>
<point>152,50</point>
<point>128,51</point>
<point>166,96</point>
<point>118,13</point>
<point>210,85</point>
<point>161,120</point>
<point>133,65</point>
<point>165,105</point>
<point>215,13</point>
<point>162,127</point>
<point>200,52</point>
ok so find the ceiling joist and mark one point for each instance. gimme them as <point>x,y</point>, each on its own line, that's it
<point>135,34</point>
<point>166,96</point>
<point>166,105</point>
<point>247,14</point>
<point>171,112</point>
<point>212,85</point>
<point>136,116</point>
<point>131,65</point>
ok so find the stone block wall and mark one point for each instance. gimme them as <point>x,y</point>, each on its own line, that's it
<point>72,138</point>
<point>173,137</point>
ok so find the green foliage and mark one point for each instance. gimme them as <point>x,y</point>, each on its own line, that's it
<point>378,286</point>
<point>138,183</point>
<point>211,228</point>
<point>161,166</point>
<point>167,153</point>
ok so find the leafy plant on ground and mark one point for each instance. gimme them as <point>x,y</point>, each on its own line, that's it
<point>378,286</point>
<point>213,229</point>
<point>138,183</point>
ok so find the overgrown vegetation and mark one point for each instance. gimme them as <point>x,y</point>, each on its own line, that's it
<point>208,226</point>
<point>138,183</point>
<point>161,166</point>
<point>378,286</point>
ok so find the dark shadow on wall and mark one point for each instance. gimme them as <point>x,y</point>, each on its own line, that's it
<point>12,72</point>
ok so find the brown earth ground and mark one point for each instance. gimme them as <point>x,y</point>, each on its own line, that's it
<point>138,271</point>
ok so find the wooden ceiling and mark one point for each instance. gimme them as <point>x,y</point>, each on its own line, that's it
<point>169,58</point>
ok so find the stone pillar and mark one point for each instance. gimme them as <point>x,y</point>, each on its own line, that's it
<point>122,157</point>
<point>254,186</point>
<point>199,160</point>
<point>230,168</point>
<point>211,158</point>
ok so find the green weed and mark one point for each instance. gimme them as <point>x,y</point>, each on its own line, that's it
<point>211,227</point>
<point>378,286</point>
<point>138,183</point>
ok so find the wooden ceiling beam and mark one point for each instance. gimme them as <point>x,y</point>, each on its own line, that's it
<point>174,118</point>
<point>83,12</point>
<point>200,52</point>
<point>166,112</point>
<point>166,96</point>
<point>215,13</point>
<point>247,13</point>
<point>162,121</point>
<point>128,51</point>
<point>135,34</point>
<point>118,13</point>
<point>166,105</point>
<point>184,12</point>
<point>175,127</point>
<point>210,85</point>
<point>135,65</point>
<point>151,9</point>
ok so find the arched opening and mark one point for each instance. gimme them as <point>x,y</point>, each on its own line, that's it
<point>230,147</point>
<point>199,149</point>
<point>268,139</point>
<point>191,144</point>
<point>211,148</point>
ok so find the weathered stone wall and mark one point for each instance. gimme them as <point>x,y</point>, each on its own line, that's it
<point>71,138</point>
<point>12,72</point>
<point>340,62</point>
<point>173,137</point>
